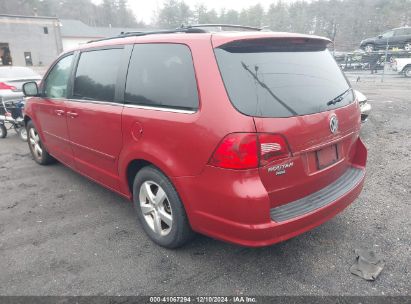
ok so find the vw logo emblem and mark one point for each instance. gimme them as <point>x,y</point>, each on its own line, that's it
<point>334,124</point>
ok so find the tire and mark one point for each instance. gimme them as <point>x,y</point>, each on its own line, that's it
<point>37,149</point>
<point>23,133</point>
<point>3,131</point>
<point>369,47</point>
<point>164,221</point>
<point>407,46</point>
<point>407,72</point>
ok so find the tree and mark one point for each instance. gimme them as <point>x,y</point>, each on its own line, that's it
<point>174,13</point>
<point>229,17</point>
<point>277,17</point>
<point>114,12</point>
<point>252,16</point>
<point>346,22</point>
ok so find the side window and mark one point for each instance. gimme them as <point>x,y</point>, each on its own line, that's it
<point>57,80</point>
<point>162,75</point>
<point>399,32</point>
<point>96,75</point>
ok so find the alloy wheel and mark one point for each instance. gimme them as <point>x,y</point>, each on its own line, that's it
<point>34,140</point>
<point>156,208</point>
<point>407,46</point>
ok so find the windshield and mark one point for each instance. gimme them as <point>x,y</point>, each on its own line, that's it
<point>282,78</point>
<point>388,34</point>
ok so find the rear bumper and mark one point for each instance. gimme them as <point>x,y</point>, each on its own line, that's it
<point>234,206</point>
<point>317,200</point>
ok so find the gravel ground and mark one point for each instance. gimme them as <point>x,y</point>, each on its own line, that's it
<point>61,234</point>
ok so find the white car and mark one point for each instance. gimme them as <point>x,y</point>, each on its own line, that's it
<point>364,105</point>
<point>402,66</point>
<point>12,79</point>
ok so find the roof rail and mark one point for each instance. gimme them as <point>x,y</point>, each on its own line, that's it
<point>137,34</point>
<point>244,27</point>
<point>197,28</point>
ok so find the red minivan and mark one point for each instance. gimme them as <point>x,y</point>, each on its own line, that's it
<point>250,137</point>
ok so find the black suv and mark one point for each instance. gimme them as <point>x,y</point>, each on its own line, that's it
<point>398,37</point>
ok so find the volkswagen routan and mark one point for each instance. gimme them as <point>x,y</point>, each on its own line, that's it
<point>246,136</point>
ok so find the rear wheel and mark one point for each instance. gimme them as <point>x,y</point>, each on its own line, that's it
<point>407,46</point>
<point>407,72</point>
<point>369,47</point>
<point>39,153</point>
<point>159,209</point>
<point>3,131</point>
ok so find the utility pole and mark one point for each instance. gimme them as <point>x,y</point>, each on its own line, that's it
<point>385,60</point>
<point>334,33</point>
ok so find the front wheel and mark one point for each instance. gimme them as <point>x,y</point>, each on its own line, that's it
<point>159,209</point>
<point>407,46</point>
<point>3,131</point>
<point>407,72</point>
<point>39,153</point>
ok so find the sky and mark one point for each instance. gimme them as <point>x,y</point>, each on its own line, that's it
<point>144,10</point>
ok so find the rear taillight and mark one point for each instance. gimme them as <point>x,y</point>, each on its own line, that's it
<point>5,86</point>
<point>272,147</point>
<point>236,151</point>
<point>249,150</point>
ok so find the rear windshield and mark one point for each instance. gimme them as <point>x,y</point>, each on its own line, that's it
<point>282,77</point>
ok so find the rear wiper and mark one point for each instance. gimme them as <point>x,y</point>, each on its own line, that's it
<point>264,86</point>
<point>338,98</point>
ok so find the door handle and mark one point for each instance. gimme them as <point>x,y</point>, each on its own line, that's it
<point>59,112</point>
<point>72,114</point>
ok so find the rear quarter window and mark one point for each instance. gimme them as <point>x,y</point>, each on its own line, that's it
<point>282,78</point>
<point>96,75</point>
<point>161,75</point>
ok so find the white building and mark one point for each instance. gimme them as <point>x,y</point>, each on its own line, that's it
<point>75,32</point>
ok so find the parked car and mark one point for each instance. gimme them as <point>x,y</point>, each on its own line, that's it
<point>247,137</point>
<point>398,37</point>
<point>402,66</point>
<point>365,107</point>
<point>11,98</point>
<point>12,79</point>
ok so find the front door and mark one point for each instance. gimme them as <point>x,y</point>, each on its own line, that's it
<point>50,111</point>
<point>94,116</point>
<point>385,38</point>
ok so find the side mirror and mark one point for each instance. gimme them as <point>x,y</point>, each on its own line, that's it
<point>30,89</point>
<point>379,36</point>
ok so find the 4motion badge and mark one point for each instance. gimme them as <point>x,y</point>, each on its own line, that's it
<point>280,169</point>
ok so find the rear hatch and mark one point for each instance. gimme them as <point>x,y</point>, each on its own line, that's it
<point>293,87</point>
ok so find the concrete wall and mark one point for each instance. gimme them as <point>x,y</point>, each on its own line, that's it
<point>25,34</point>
